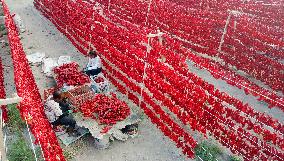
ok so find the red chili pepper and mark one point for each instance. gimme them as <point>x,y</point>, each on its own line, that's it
<point>109,109</point>
<point>70,74</point>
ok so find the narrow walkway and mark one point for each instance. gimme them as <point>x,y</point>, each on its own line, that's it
<point>42,36</point>
<point>237,93</point>
<point>7,64</point>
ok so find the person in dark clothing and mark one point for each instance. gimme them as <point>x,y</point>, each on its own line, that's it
<point>58,112</point>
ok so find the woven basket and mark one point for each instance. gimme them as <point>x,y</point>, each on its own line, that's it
<point>80,95</point>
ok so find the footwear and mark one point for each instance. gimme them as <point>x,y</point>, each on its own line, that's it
<point>70,130</point>
<point>59,130</point>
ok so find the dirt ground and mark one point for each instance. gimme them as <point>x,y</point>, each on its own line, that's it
<point>42,36</point>
<point>237,93</point>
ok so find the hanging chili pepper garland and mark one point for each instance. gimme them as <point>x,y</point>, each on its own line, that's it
<point>31,108</point>
<point>232,78</point>
<point>3,94</point>
<point>168,122</point>
<point>269,101</point>
<point>272,122</point>
<point>237,117</point>
<point>120,51</point>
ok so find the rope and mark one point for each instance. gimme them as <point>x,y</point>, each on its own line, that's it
<point>244,135</point>
<point>233,106</point>
<point>225,31</point>
<point>33,147</point>
<point>148,12</point>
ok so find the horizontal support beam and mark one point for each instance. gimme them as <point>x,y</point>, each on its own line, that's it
<point>7,101</point>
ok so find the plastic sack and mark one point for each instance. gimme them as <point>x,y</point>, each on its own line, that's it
<point>36,57</point>
<point>64,60</point>
<point>48,65</point>
<point>19,23</point>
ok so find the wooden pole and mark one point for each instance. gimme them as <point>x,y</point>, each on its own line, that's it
<point>3,149</point>
<point>7,101</point>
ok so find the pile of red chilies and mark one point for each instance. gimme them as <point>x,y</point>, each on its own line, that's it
<point>70,74</point>
<point>109,109</point>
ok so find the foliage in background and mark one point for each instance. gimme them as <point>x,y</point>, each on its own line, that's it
<point>19,150</point>
<point>207,151</point>
<point>235,158</point>
<point>68,155</point>
<point>15,121</point>
<point>2,27</point>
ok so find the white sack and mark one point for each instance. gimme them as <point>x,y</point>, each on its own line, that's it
<point>64,60</point>
<point>19,23</point>
<point>48,65</point>
<point>35,57</point>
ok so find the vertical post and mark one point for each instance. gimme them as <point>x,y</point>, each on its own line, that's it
<point>225,31</point>
<point>41,151</point>
<point>33,147</point>
<point>3,151</point>
<point>38,140</point>
<point>159,34</point>
<point>108,7</point>
<point>66,29</point>
<point>148,12</point>
<point>144,73</point>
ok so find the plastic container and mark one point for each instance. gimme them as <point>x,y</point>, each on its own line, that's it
<point>100,87</point>
<point>80,94</point>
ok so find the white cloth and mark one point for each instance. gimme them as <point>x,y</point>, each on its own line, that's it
<point>52,110</point>
<point>35,57</point>
<point>48,65</point>
<point>94,63</point>
<point>19,22</point>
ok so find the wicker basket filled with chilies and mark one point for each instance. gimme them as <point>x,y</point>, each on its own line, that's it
<point>106,109</point>
<point>80,95</point>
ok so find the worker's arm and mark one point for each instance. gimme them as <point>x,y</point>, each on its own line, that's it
<point>64,106</point>
<point>99,62</point>
<point>89,64</point>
